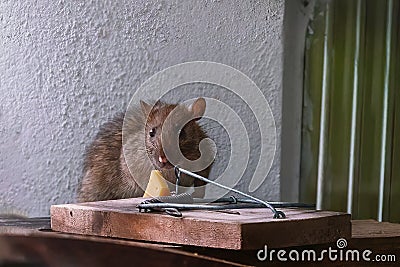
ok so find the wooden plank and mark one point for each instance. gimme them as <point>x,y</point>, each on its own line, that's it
<point>30,223</point>
<point>377,235</point>
<point>380,237</point>
<point>383,238</point>
<point>23,225</point>
<point>374,229</point>
<point>44,249</point>
<point>251,229</point>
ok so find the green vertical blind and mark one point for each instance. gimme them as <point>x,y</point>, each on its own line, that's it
<point>351,109</point>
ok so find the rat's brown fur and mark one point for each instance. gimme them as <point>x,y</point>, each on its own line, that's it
<point>106,172</point>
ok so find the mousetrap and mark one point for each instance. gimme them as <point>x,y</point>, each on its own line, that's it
<point>173,204</point>
<point>228,223</point>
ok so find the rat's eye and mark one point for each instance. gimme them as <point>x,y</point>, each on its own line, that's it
<point>152,132</point>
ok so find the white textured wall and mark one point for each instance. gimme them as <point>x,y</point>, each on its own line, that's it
<point>67,66</point>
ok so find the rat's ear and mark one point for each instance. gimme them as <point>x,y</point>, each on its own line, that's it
<point>198,108</point>
<point>146,108</point>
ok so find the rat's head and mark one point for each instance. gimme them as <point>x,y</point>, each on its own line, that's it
<point>169,126</point>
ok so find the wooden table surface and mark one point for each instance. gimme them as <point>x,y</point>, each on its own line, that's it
<point>32,241</point>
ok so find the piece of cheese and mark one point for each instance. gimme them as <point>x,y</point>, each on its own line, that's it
<point>157,186</point>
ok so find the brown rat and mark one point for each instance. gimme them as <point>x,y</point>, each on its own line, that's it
<point>140,142</point>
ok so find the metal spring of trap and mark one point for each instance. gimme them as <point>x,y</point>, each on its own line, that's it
<point>173,204</point>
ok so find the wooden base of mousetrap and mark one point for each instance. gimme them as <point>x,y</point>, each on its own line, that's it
<point>251,229</point>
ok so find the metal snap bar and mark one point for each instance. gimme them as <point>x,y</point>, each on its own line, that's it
<point>173,212</point>
<point>178,177</point>
<point>178,171</point>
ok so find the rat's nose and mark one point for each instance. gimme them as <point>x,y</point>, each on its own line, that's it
<point>162,159</point>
